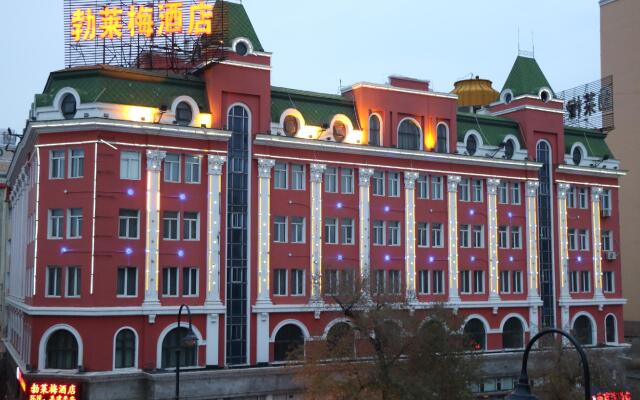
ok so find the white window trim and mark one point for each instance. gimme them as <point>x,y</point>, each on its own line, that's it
<point>177,227</point>
<point>178,292</point>
<point>164,175</point>
<point>128,218</point>
<point>286,282</point>
<point>304,231</point>
<point>199,158</point>
<point>197,227</point>
<point>46,287</point>
<point>197,294</point>
<point>139,165</point>
<point>70,162</point>
<point>79,283</point>
<point>165,332</point>
<point>286,229</point>
<point>135,360</point>
<point>69,225</point>
<point>420,132</point>
<point>42,347</point>
<point>304,286</point>
<point>126,296</point>
<point>62,164</point>
<point>50,225</point>
<point>381,140</point>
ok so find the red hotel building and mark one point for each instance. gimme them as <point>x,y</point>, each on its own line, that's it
<point>134,191</point>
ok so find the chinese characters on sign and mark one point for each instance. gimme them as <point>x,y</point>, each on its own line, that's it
<point>589,106</point>
<point>140,20</point>
<point>612,396</point>
<point>53,391</point>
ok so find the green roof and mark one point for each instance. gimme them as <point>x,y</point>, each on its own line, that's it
<point>492,129</point>
<point>316,108</point>
<point>526,77</point>
<point>106,84</point>
<point>593,141</point>
<point>238,24</point>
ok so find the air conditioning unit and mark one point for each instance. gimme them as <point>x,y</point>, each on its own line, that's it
<point>606,213</point>
<point>611,255</point>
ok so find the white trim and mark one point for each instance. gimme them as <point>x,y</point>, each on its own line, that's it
<point>615,325</point>
<point>549,94</point>
<point>57,100</point>
<point>280,325</point>
<point>234,43</point>
<point>329,132</point>
<point>381,133</point>
<point>525,325</point>
<point>137,347</point>
<point>165,332</point>
<point>448,141</point>
<point>503,96</point>
<point>594,325</point>
<point>195,110</point>
<point>335,322</point>
<point>297,115</point>
<point>479,142</point>
<point>246,65</point>
<point>526,107</point>
<point>42,347</point>
<point>398,89</point>
<point>583,154</point>
<point>605,2</point>
<point>421,139</point>
<point>578,170</point>
<point>487,327</point>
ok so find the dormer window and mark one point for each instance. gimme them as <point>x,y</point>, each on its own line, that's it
<point>68,106</point>
<point>545,95</point>
<point>441,138</point>
<point>242,48</point>
<point>374,130</point>
<point>291,125</point>
<point>508,98</point>
<point>409,135</point>
<point>339,131</point>
<point>577,155</point>
<point>472,145</point>
<point>184,113</point>
<point>509,149</point>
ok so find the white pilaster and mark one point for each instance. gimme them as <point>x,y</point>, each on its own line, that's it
<point>213,339</point>
<point>154,165</point>
<point>531,195</point>
<point>365,175</point>
<point>596,196</point>
<point>264,239</point>
<point>316,232</point>
<point>452,208</point>
<point>563,241</point>
<point>410,237</point>
<point>492,228</point>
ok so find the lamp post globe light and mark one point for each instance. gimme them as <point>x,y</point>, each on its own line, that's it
<point>189,341</point>
<point>523,388</point>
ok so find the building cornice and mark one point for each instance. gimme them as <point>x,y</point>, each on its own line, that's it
<point>572,169</point>
<point>390,88</point>
<point>605,2</point>
<point>527,107</point>
<point>592,302</point>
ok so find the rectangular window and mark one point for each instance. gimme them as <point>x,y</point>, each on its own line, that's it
<point>346,227</point>
<point>607,241</point>
<point>608,284</point>
<point>394,233</point>
<point>478,236</point>
<point>477,191</point>
<point>170,281</point>
<point>331,230</point>
<point>280,176</point>
<point>585,281</point>
<point>503,237</point>
<point>606,200</point>
<point>236,220</point>
<point>516,237</point>
<point>503,193</point>
<point>73,282</point>
<point>191,222</point>
<point>280,229</point>
<point>436,188</point>
<point>573,239</point>
<point>170,225</point>
<point>54,281</point>
<point>463,189</point>
<point>190,281</point>
<point>395,282</point>
<point>331,282</point>
<point>74,223</point>
<point>379,282</point>
<point>394,184</point>
<point>56,164</point>
<point>464,234</point>
<point>517,281</point>
<point>76,163</point>
<point>582,198</point>
<point>378,233</point>
<point>331,180</point>
<point>172,168</point>
<point>297,282</point>
<point>438,282</point>
<point>297,177</point>
<point>56,217</point>
<point>573,281</point>
<point>422,186</point>
<point>478,281</point>
<point>127,282</point>
<point>423,234</point>
<point>465,282</point>
<point>130,165</point>
<point>377,183</point>
<point>280,282</point>
<point>583,236</point>
<point>571,197</point>
<point>437,235</point>
<point>423,282</point>
<point>192,167</point>
<point>297,230</point>
<point>515,193</point>
<point>129,224</point>
<point>505,281</point>
<point>346,175</point>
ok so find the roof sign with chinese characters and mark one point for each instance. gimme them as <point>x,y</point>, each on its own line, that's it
<point>135,33</point>
<point>53,391</point>
<point>612,396</point>
<point>589,106</point>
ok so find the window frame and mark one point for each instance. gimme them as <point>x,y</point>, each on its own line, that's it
<point>57,160</point>
<point>294,283</point>
<point>377,184</point>
<point>331,175</point>
<point>393,179</point>
<point>74,222</point>
<point>173,221</point>
<point>128,224</point>
<point>59,221</point>
<point>331,230</point>
<point>193,224</point>
<point>346,181</point>
<point>124,172</point>
<point>394,233</point>
<point>280,175</point>
<point>347,231</point>
<point>76,162</point>
<point>191,167</point>
<point>125,281</point>
<point>298,177</point>
<point>57,283</point>
<point>167,281</point>
<point>280,222</point>
<point>298,225</point>
<point>379,226</point>
<point>187,273</point>
<point>77,283</point>
<point>170,165</point>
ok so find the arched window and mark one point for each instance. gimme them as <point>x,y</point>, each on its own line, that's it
<point>341,340</point>
<point>374,130</point>
<point>442,138</point>
<point>409,135</point>
<point>583,330</point>
<point>62,351</point>
<point>289,342</point>
<point>577,155</point>
<point>610,327</point>
<point>475,333</point>
<point>339,131</point>
<point>291,125</point>
<point>125,349</point>
<point>509,149</point>
<point>68,106</point>
<point>172,345</point>
<point>238,120</point>
<point>513,334</point>
<point>184,113</point>
<point>472,145</point>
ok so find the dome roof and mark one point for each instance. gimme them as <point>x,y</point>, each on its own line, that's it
<point>475,92</point>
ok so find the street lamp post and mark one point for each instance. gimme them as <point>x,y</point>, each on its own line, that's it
<point>523,389</point>
<point>188,341</point>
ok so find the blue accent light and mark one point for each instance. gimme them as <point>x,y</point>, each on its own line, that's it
<point>128,251</point>
<point>180,253</point>
<point>63,250</point>
<point>130,192</point>
<point>510,214</point>
<point>339,205</point>
<point>579,258</point>
<point>387,257</point>
<point>339,257</point>
<point>472,212</point>
<point>182,196</point>
<point>473,258</point>
<point>511,258</point>
<point>387,208</point>
<point>432,259</point>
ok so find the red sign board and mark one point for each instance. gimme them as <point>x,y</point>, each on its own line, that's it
<point>612,396</point>
<point>53,391</point>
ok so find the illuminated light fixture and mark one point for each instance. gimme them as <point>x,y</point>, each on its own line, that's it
<point>432,259</point>
<point>128,251</point>
<point>472,212</point>
<point>387,208</point>
<point>579,258</point>
<point>63,250</point>
<point>130,192</point>
<point>473,258</point>
<point>180,253</point>
<point>387,257</point>
<point>182,196</point>
<point>510,214</point>
<point>510,258</point>
<point>339,205</point>
<point>340,257</point>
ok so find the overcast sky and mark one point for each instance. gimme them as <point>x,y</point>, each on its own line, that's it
<point>317,44</point>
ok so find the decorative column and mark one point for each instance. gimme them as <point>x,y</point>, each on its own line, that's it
<point>154,165</point>
<point>452,207</point>
<point>533,296</point>
<point>563,254</point>
<point>492,227</point>
<point>212,303</point>
<point>596,195</point>
<point>316,232</point>
<point>365,175</point>
<point>409,234</point>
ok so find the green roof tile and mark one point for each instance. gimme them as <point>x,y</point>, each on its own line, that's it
<point>492,129</point>
<point>526,77</point>
<point>593,141</point>
<point>238,24</point>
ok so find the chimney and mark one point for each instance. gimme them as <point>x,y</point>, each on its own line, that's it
<point>408,83</point>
